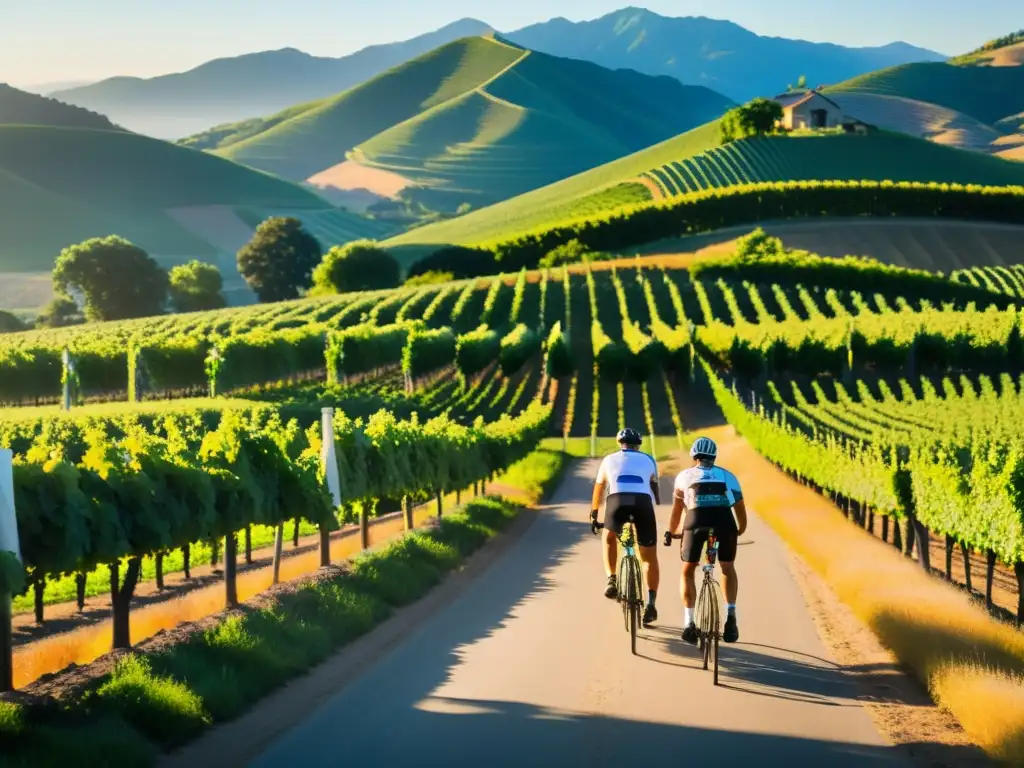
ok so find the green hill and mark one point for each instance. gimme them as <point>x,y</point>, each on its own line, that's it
<point>22,108</point>
<point>697,161</point>
<point>590,193</point>
<point>878,156</point>
<point>475,121</point>
<point>982,92</point>
<point>61,185</point>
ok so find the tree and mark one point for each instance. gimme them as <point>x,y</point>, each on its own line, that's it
<point>359,266</point>
<point>117,278</point>
<point>801,81</point>
<point>10,323</point>
<point>279,260</point>
<point>60,312</point>
<point>755,118</point>
<point>196,286</point>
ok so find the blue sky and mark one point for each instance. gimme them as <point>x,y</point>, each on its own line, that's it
<point>44,41</point>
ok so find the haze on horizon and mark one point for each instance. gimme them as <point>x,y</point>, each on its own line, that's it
<point>49,41</point>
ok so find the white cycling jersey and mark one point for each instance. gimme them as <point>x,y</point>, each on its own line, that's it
<point>707,488</point>
<point>628,472</point>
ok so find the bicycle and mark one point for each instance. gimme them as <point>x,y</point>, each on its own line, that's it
<point>707,609</point>
<point>631,579</point>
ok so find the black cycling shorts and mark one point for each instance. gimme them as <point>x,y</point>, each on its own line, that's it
<point>695,534</point>
<point>620,508</point>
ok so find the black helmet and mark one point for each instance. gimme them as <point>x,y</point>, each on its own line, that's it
<point>629,437</point>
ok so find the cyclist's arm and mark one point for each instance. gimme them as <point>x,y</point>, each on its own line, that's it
<point>595,502</point>
<point>654,485</point>
<point>674,520</point>
<point>740,508</point>
<point>599,485</point>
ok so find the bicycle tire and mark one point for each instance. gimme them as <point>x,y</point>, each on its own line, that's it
<point>632,599</point>
<point>703,621</point>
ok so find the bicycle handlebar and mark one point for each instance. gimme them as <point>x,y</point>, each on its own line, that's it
<point>594,525</point>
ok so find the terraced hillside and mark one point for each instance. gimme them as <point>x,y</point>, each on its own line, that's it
<point>873,157</point>
<point>592,192</point>
<point>974,101</point>
<point>475,121</point>
<point>60,186</point>
<point>696,161</point>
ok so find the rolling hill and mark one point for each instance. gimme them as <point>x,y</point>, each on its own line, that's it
<point>697,51</point>
<point>472,122</point>
<point>61,185</point>
<point>975,101</point>
<point>696,160</point>
<point>230,89</point>
<point>19,107</point>
<point>718,54</point>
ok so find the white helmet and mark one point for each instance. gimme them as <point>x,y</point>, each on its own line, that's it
<point>704,448</point>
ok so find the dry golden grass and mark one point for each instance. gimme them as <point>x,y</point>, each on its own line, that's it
<point>972,664</point>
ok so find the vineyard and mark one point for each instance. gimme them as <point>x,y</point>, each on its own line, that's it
<point>149,447</point>
<point>194,427</point>
<point>874,157</point>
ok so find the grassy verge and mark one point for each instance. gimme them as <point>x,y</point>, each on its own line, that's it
<point>972,664</point>
<point>149,704</point>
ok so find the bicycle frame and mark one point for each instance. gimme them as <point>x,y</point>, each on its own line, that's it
<point>707,607</point>
<point>630,578</point>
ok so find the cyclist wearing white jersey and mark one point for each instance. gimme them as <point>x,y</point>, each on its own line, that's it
<point>708,494</point>
<point>631,479</point>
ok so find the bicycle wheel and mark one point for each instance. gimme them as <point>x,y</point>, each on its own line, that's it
<point>703,617</point>
<point>632,599</point>
<point>716,637</point>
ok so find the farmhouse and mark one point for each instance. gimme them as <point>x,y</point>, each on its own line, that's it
<point>809,109</point>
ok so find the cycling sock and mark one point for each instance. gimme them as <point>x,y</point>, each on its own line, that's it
<point>687,616</point>
<point>731,608</point>
<point>651,594</point>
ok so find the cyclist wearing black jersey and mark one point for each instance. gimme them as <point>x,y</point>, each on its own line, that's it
<point>631,479</point>
<point>708,494</point>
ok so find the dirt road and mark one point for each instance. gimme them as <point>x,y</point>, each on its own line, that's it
<point>531,666</point>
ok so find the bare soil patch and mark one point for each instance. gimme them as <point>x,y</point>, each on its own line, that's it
<point>350,175</point>
<point>1010,56</point>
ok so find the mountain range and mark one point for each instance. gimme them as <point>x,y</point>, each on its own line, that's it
<point>475,121</point>
<point>720,55</point>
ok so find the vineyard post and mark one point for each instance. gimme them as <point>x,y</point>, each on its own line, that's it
<point>65,357</point>
<point>278,546</point>
<point>693,372</point>
<point>407,510</point>
<point>329,462</point>
<point>9,542</point>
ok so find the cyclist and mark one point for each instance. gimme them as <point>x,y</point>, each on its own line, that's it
<point>708,494</point>
<point>631,479</point>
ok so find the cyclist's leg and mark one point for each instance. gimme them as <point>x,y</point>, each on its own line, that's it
<point>614,520</point>
<point>647,542</point>
<point>693,543</point>
<point>727,545</point>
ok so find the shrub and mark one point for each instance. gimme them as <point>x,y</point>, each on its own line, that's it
<point>358,266</point>
<point>461,262</point>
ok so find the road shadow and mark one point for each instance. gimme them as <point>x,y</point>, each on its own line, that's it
<point>442,731</point>
<point>391,715</point>
<point>771,672</point>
